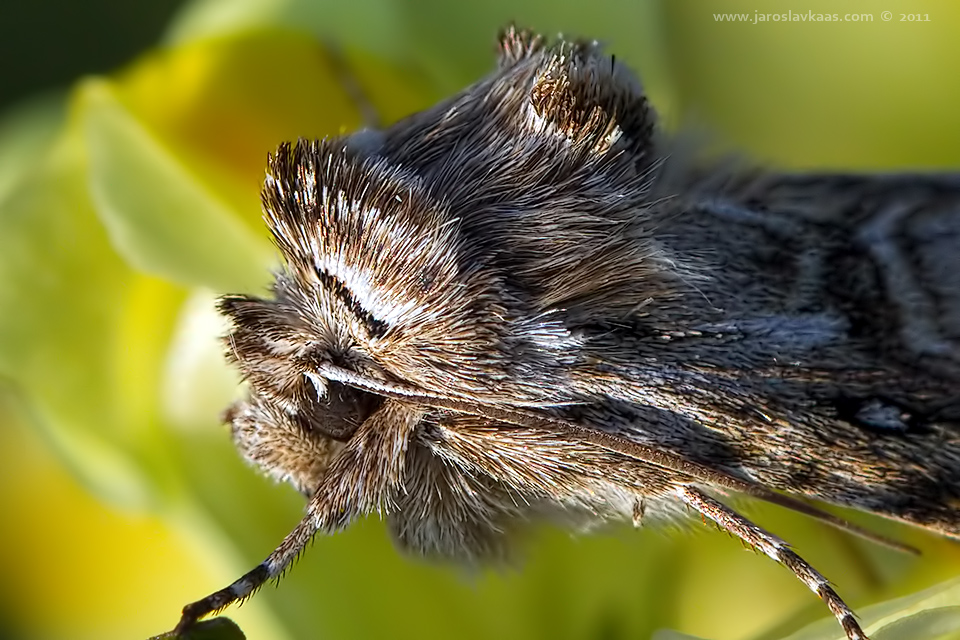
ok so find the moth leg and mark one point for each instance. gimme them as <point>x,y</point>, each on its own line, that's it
<point>365,471</point>
<point>639,511</point>
<point>775,548</point>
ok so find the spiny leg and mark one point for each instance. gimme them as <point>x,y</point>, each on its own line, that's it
<point>776,549</point>
<point>291,547</point>
<point>356,483</point>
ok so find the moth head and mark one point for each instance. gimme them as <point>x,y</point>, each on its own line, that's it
<point>455,250</point>
<point>375,279</point>
<point>276,346</point>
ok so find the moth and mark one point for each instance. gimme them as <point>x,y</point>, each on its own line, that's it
<point>521,306</point>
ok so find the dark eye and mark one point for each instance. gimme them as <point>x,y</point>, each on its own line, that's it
<point>340,411</point>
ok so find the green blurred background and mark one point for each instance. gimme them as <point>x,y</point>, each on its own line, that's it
<point>129,200</point>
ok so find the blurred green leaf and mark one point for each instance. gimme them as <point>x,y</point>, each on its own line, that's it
<point>62,289</point>
<point>932,614</point>
<point>159,217</point>
<point>927,615</point>
<point>931,624</point>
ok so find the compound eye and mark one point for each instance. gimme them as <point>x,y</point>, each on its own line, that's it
<point>337,410</point>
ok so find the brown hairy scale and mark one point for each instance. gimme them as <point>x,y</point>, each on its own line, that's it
<point>515,306</point>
